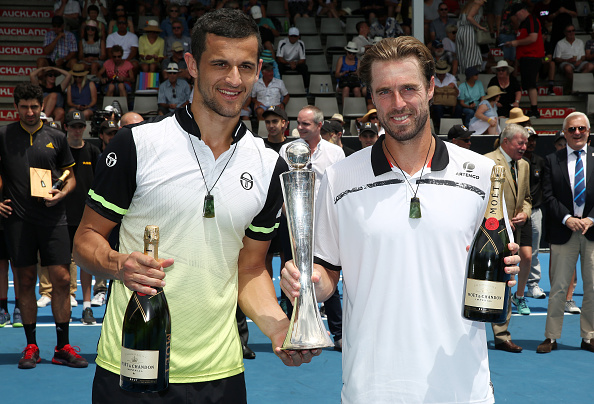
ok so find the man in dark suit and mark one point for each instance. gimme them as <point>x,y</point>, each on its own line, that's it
<point>516,192</point>
<point>568,191</point>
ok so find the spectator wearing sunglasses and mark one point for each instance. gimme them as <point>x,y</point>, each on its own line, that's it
<point>91,48</point>
<point>92,13</point>
<point>174,92</point>
<point>126,40</point>
<point>173,13</point>
<point>119,10</point>
<point>449,42</point>
<point>53,93</point>
<point>437,28</point>
<point>460,136</point>
<point>59,46</point>
<point>117,74</point>
<point>177,36</point>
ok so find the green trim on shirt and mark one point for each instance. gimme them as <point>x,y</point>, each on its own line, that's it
<point>107,204</point>
<point>265,230</point>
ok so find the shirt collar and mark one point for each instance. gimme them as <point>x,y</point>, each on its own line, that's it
<point>570,150</point>
<point>186,120</point>
<point>508,159</point>
<point>381,165</point>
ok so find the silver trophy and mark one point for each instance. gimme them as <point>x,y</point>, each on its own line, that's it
<point>306,330</point>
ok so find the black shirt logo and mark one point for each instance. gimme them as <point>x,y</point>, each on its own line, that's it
<point>247,181</point>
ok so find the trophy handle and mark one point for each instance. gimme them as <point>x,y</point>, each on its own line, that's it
<point>306,329</point>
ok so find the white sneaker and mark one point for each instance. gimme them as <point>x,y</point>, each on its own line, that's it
<point>43,301</point>
<point>535,292</point>
<point>571,307</point>
<point>98,299</point>
<point>73,302</point>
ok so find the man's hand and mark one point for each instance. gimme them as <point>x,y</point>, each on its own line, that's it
<point>56,196</point>
<point>292,357</point>
<point>139,272</point>
<point>519,219</point>
<point>512,261</point>
<point>290,279</point>
<point>5,209</point>
<point>575,224</point>
<point>586,223</point>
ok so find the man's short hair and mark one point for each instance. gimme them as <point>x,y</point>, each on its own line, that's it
<point>358,25</point>
<point>224,22</point>
<point>511,130</point>
<point>117,48</point>
<point>573,115</point>
<point>395,49</point>
<point>318,115</point>
<point>28,91</point>
<point>93,7</point>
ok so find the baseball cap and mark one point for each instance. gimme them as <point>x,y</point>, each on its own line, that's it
<point>177,46</point>
<point>256,12</point>
<point>172,68</point>
<point>471,71</point>
<point>293,31</point>
<point>332,126</point>
<point>558,135</point>
<point>43,116</point>
<point>457,131</point>
<point>108,127</point>
<point>276,111</point>
<point>75,117</point>
<point>368,127</point>
<point>437,43</point>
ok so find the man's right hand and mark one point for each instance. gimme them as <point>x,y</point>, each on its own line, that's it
<point>574,224</point>
<point>5,209</point>
<point>141,273</point>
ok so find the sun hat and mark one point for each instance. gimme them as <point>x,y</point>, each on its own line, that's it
<point>516,116</point>
<point>351,47</point>
<point>152,26</point>
<point>442,67</point>
<point>501,64</point>
<point>493,91</point>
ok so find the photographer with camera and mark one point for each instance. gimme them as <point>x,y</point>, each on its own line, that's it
<point>346,72</point>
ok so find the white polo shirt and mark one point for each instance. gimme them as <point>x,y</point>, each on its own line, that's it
<point>566,50</point>
<point>127,42</point>
<point>323,157</point>
<point>404,337</point>
<point>291,51</point>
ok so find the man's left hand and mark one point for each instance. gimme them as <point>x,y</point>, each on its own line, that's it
<point>292,357</point>
<point>587,223</point>
<point>519,219</point>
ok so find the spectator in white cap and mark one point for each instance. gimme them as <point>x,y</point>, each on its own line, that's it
<point>347,72</point>
<point>174,92</point>
<point>266,27</point>
<point>290,55</point>
<point>151,47</point>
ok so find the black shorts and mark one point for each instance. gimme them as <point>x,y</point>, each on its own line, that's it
<point>25,240</point>
<point>529,68</point>
<point>3,247</point>
<point>106,389</point>
<point>524,234</point>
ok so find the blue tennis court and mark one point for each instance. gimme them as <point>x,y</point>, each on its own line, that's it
<point>563,376</point>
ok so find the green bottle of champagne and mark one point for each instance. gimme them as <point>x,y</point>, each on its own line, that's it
<point>146,334</point>
<point>486,295</point>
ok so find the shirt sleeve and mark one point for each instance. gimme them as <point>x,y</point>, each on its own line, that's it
<point>115,178</point>
<point>326,251</point>
<point>265,224</point>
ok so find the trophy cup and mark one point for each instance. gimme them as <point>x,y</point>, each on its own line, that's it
<point>306,330</point>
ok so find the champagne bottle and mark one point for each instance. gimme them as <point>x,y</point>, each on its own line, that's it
<point>486,296</point>
<point>60,183</point>
<point>146,334</point>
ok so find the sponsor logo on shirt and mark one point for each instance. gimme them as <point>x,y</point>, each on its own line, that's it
<point>50,145</point>
<point>468,170</point>
<point>111,159</point>
<point>247,181</point>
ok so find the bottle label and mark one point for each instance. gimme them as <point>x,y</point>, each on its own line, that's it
<point>484,294</point>
<point>137,364</point>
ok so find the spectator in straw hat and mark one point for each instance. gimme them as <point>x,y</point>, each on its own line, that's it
<point>485,119</point>
<point>151,47</point>
<point>516,115</point>
<point>508,83</point>
<point>81,95</point>
<point>347,72</point>
<point>445,80</point>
